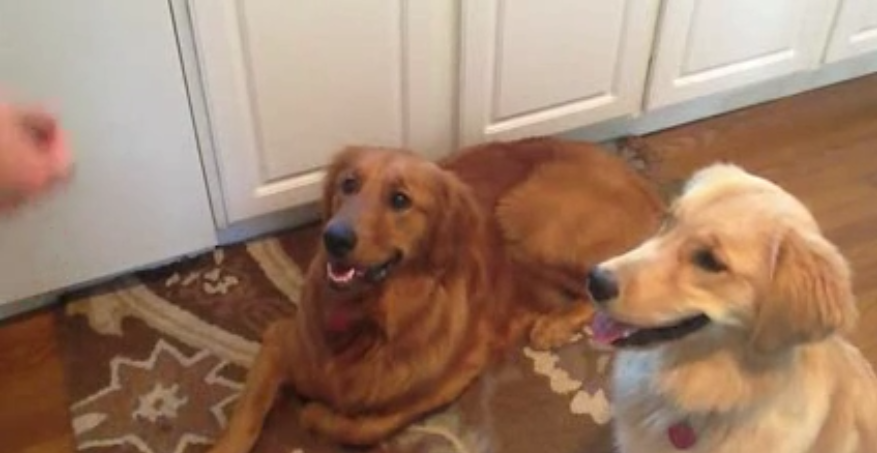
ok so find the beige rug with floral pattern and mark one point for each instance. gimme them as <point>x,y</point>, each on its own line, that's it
<point>156,360</point>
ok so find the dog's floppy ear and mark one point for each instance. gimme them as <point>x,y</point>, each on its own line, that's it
<point>339,163</point>
<point>459,233</point>
<point>810,294</point>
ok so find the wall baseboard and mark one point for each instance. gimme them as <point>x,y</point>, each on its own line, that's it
<point>270,223</point>
<point>12,309</point>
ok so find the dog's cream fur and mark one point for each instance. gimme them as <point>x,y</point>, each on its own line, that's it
<point>772,372</point>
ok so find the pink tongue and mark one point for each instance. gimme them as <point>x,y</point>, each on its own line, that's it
<point>606,330</point>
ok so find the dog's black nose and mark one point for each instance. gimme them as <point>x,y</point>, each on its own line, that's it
<point>339,239</point>
<point>602,285</point>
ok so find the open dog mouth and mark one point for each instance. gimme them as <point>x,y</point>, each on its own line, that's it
<point>608,331</point>
<point>343,275</point>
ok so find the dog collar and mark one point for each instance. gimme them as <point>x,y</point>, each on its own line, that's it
<point>682,435</point>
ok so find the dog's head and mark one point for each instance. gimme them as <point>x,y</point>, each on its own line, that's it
<point>736,254</point>
<point>386,210</point>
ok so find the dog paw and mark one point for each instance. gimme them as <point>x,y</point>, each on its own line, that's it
<point>314,417</point>
<point>548,333</point>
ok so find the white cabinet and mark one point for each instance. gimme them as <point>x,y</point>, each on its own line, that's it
<point>288,83</point>
<point>112,72</point>
<point>708,46</point>
<point>542,67</point>
<point>855,30</point>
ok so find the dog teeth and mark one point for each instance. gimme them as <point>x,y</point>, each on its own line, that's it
<point>340,277</point>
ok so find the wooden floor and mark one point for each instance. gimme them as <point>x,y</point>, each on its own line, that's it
<point>822,146</point>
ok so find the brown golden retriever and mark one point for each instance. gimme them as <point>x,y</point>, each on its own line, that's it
<point>426,272</point>
<point>729,323</point>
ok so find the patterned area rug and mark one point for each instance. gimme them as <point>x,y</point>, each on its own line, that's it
<point>155,362</point>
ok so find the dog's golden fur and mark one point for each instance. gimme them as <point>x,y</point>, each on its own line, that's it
<point>772,371</point>
<point>486,248</point>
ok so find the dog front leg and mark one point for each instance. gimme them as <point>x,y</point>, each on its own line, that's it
<point>561,326</point>
<point>370,429</point>
<point>263,383</point>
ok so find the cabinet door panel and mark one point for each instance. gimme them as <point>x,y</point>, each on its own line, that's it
<point>709,46</point>
<point>855,30</point>
<point>534,68</point>
<point>290,83</point>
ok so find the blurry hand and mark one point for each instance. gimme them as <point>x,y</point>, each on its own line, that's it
<point>33,154</point>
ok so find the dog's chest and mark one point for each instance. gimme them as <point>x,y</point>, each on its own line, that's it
<point>647,421</point>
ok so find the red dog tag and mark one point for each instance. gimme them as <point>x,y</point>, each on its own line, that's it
<point>682,435</point>
<point>338,321</point>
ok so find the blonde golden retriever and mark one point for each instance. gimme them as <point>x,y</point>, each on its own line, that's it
<point>729,329</point>
<point>427,272</point>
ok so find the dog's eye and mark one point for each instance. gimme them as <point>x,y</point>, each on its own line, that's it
<point>399,201</point>
<point>706,260</point>
<point>349,185</point>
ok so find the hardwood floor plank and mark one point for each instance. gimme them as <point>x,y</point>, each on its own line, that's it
<point>33,412</point>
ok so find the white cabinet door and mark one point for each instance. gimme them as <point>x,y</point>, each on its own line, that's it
<point>288,83</point>
<point>542,67</point>
<point>708,46</point>
<point>112,71</point>
<point>855,30</point>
